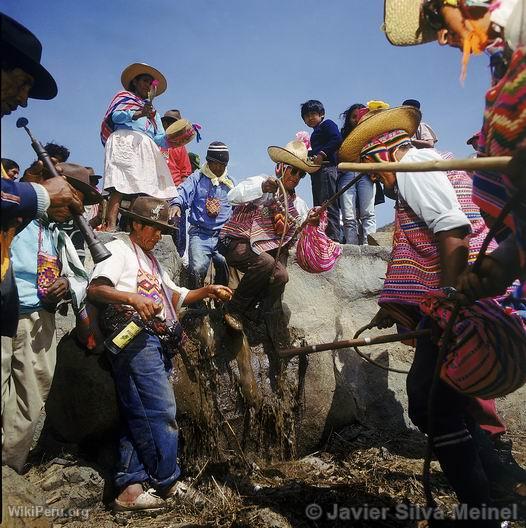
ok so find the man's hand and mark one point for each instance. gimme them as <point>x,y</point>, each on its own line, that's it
<point>62,194</point>
<point>174,211</point>
<point>216,291</point>
<point>39,172</point>
<point>313,218</point>
<point>382,319</point>
<point>489,281</point>
<point>270,185</point>
<point>147,308</point>
<point>319,159</point>
<point>57,291</point>
<point>146,111</point>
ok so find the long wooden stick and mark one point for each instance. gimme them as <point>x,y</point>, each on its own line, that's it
<point>495,163</point>
<point>363,341</point>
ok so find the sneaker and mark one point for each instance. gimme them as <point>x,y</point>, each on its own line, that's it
<point>147,501</point>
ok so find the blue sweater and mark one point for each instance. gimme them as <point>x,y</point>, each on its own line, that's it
<point>326,137</point>
<point>193,193</point>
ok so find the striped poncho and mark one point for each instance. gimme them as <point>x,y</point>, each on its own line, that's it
<point>414,267</point>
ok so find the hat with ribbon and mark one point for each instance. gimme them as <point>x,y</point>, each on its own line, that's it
<point>151,211</point>
<point>139,68</point>
<point>22,49</point>
<point>375,123</point>
<point>180,132</point>
<point>78,177</point>
<point>294,153</point>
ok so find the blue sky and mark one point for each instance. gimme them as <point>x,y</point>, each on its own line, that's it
<point>239,68</point>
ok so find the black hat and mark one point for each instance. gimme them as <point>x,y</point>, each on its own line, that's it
<point>24,50</point>
<point>217,151</point>
<point>411,102</point>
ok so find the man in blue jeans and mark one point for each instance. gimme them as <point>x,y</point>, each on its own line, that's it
<point>205,195</point>
<point>129,284</point>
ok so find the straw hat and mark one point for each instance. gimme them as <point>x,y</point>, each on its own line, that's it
<point>152,211</point>
<point>180,133</point>
<point>374,124</point>
<point>294,153</point>
<point>78,177</point>
<point>139,68</point>
<point>404,24</point>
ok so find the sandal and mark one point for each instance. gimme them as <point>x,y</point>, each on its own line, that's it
<point>147,501</point>
<point>179,490</point>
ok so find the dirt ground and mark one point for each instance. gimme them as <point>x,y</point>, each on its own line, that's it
<point>358,479</point>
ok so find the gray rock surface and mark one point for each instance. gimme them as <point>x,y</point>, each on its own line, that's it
<point>292,406</point>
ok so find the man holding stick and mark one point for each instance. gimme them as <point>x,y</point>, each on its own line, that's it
<point>437,230</point>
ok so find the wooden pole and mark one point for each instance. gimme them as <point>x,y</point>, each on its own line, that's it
<point>470,164</point>
<point>363,341</point>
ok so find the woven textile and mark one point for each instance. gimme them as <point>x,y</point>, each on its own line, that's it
<point>503,130</point>
<point>122,101</point>
<point>256,223</point>
<point>414,267</point>
<point>487,358</point>
<point>382,148</point>
<point>315,251</point>
<point>48,271</point>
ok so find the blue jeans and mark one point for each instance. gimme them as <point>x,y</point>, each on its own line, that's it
<point>149,436</point>
<point>202,249</point>
<point>357,203</point>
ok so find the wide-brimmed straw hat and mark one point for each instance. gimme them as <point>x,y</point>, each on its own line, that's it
<point>404,24</point>
<point>25,51</point>
<point>374,124</point>
<point>139,68</point>
<point>150,210</point>
<point>180,133</point>
<point>295,154</point>
<point>78,177</point>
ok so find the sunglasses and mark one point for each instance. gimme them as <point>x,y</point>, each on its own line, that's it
<point>294,171</point>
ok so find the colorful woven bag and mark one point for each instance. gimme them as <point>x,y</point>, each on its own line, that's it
<point>316,252</point>
<point>487,358</point>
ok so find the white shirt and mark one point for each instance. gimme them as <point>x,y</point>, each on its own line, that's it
<point>250,190</point>
<point>430,195</point>
<point>425,133</point>
<point>122,268</point>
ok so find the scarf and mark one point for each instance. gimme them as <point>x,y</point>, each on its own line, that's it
<point>205,170</point>
<point>382,148</point>
<point>72,267</point>
<point>122,101</point>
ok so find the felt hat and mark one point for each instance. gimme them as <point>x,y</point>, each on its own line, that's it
<point>375,123</point>
<point>139,68</point>
<point>150,210</point>
<point>78,177</point>
<point>180,132</point>
<point>295,154</point>
<point>92,174</point>
<point>475,137</point>
<point>217,151</point>
<point>404,24</point>
<point>24,50</point>
<point>195,161</point>
<point>169,117</point>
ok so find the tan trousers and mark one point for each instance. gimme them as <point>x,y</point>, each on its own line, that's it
<point>28,364</point>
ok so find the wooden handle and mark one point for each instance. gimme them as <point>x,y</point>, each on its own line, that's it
<point>470,164</point>
<point>362,341</point>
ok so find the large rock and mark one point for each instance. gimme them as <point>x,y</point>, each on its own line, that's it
<point>244,399</point>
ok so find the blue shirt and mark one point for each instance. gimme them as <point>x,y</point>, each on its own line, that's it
<point>326,137</point>
<point>193,193</point>
<point>123,119</point>
<point>24,251</point>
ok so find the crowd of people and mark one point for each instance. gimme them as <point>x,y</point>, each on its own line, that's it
<point>130,306</point>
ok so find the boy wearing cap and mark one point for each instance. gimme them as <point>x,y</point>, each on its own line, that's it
<point>47,271</point>
<point>132,284</point>
<point>176,157</point>
<point>204,194</point>
<point>425,136</point>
